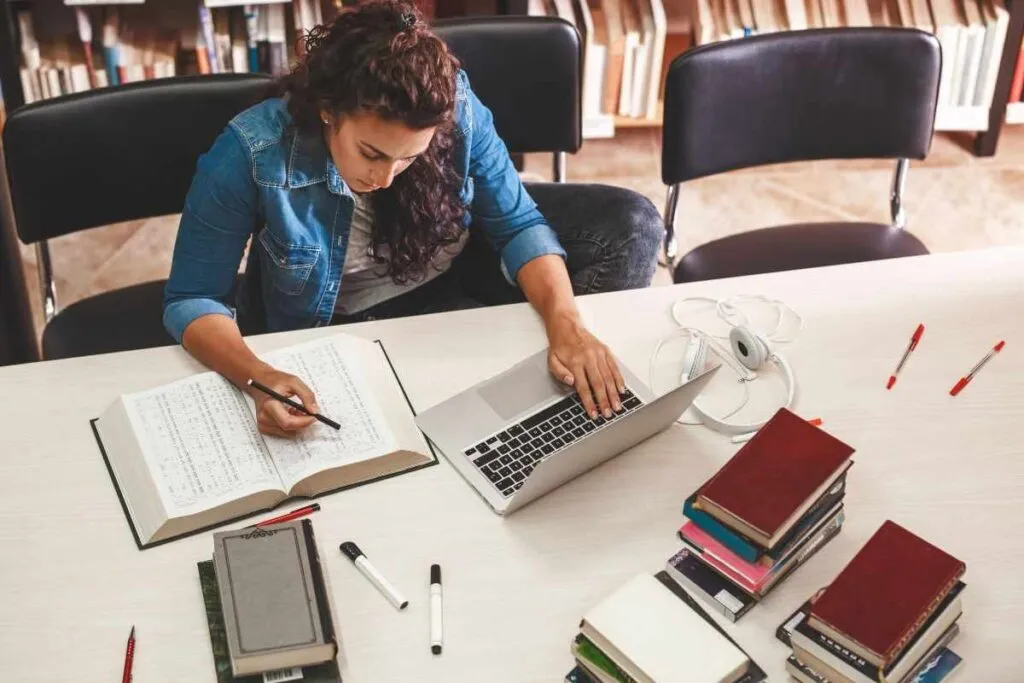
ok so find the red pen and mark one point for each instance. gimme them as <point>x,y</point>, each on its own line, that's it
<point>964,381</point>
<point>129,658</point>
<point>289,516</point>
<point>906,354</point>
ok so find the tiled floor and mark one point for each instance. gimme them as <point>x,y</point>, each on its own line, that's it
<point>954,201</point>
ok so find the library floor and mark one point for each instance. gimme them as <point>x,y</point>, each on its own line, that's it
<point>954,201</point>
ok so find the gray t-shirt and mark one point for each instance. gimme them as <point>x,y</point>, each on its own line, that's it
<point>364,282</point>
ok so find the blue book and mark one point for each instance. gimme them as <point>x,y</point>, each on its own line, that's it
<point>578,675</point>
<point>938,667</point>
<point>723,534</point>
<point>111,57</point>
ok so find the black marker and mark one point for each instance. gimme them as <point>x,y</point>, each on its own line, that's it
<point>436,610</point>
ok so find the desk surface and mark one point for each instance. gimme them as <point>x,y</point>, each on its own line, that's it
<point>72,581</point>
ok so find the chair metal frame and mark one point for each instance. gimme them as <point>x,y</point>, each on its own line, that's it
<point>897,212</point>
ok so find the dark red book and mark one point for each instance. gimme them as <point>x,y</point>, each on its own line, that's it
<point>775,478</point>
<point>886,592</point>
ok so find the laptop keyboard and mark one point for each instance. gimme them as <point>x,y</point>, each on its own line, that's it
<point>508,457</point>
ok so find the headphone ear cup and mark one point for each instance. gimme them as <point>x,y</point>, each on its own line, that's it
<point>749,348</point>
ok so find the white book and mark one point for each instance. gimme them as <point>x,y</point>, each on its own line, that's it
<point>656,637</point>
<point>643,61</point>
<point>630,55</point>
<point>947,30</point>
<point>650,110</point>
<point>975,32</point>
<point>188,455</point>
<point>997,21</point>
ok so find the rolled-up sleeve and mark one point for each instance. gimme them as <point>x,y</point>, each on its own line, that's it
<point>501,206</point>
<point>218,217</point>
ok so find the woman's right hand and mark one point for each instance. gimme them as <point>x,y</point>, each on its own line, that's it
<point>276,418</point>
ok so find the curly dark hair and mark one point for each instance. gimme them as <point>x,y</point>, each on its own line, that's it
<point>381,57</point>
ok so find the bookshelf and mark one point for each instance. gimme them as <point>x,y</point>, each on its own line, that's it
<point>980,41</point>
<point>63,11</point>
<point>683,28</point>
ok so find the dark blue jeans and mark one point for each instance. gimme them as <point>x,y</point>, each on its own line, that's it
<point>611,235</point>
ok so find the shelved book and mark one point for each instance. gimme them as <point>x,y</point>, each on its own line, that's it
<point>770,508</point>
<point>649,630</point>
<point>188,456</point>
<point>888,616</point>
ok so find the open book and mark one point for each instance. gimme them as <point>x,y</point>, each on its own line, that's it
<point>187,456</point>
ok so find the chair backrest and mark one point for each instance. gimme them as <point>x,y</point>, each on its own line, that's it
<point>800,95</point>
<point>527,71</point>
<point>116,154</point>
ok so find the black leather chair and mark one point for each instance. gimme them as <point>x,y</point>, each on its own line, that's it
<point>106,156</point>
<point>799,95</point>
<point>527,71</point>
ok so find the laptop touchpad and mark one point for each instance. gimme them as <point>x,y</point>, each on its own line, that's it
<point>525,387</point>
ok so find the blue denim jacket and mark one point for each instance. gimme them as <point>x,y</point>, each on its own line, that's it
<point>263,179</point>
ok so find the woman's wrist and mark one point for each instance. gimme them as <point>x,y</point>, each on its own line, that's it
<point>562,319</point>
<point>257,370</point>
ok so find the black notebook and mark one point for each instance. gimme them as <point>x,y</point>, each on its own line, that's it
<point>187,456</point>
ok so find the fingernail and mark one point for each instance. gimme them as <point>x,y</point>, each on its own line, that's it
<point>617,405</point>
<point>607,413</point>
<point>568,379</point>
<point>593,415</point>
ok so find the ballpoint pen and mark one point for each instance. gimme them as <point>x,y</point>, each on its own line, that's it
<point>289,516</point>
<point>129,657</point>
<point>964,381</point>
<point>906,354</point>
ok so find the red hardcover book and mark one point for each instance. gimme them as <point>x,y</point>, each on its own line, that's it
<point>886,592</point>
<point>775,478</point>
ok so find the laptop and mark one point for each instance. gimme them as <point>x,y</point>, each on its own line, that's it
<point>521,434</point>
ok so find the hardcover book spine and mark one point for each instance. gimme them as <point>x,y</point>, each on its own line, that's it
<point>813,516</point>
<point>840,652</point>
<point>319,585</point>
<point>909,634</point>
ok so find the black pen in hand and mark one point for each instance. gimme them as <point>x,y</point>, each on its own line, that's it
<point>288,402</point>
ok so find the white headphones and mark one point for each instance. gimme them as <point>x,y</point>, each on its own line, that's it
<point>748,353</point>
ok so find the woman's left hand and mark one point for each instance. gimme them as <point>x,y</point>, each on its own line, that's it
<point>578,358</point>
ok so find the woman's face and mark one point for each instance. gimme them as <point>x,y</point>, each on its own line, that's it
<point>369,151</point>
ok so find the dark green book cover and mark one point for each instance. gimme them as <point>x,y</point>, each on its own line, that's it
<point>321,673</point>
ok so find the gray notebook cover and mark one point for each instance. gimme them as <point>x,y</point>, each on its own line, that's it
<point>268,585</point>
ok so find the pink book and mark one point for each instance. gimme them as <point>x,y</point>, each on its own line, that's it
<point>749,577</point>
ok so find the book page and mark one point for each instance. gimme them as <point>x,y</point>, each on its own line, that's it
<point>200,443</point>
<point>330,367</point>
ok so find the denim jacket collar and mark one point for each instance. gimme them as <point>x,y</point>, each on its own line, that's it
<point>310,163</point>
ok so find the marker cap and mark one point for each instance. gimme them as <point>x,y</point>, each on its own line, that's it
<point>351,550</point>
<point>435,573</point>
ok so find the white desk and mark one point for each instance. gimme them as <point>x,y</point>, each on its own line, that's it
<point>72,581</point>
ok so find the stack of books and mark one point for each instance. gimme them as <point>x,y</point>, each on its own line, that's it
<point>772,506</point>
<point>649,630</point>
<point>888,616</point>
<point>269,606</point>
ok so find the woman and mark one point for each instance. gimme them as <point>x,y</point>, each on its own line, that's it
<point>373,185</point>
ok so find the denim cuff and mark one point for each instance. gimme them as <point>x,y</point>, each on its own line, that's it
<point>528,244</point>
<point>179,314</point>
